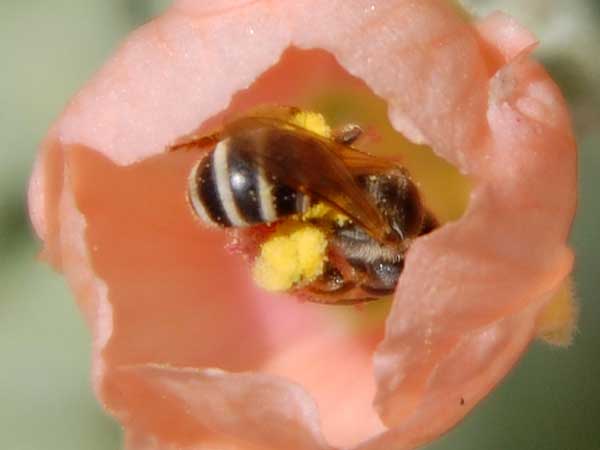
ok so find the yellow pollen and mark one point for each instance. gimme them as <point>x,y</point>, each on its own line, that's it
<point>557,322</point>
<point>325,212</point>
<point>295,254</point>
<point>312,121</point>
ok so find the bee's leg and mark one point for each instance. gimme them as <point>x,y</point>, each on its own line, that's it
<point>331,281</point>
<point>194,142</point>
<point>347,134</point>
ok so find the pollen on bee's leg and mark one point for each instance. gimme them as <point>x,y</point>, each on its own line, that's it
<point>294,254</point>
<point>558,321</point>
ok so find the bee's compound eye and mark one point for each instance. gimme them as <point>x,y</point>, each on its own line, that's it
<point>384,274</point>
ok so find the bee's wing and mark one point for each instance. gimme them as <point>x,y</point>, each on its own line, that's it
<point>269,115</point>
<point>356,161</point>
<point>359,162</point>
<point>319,167</point>
<point>195,142</point>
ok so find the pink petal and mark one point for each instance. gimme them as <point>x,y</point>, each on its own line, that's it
<point>157,288</point>
<point>206,404</point>
<point>476,269</point>
<point>505,36</point>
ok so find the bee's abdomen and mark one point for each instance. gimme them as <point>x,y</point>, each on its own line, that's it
<point>231,188</point>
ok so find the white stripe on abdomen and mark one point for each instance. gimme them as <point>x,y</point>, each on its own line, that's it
<point>221,172</point>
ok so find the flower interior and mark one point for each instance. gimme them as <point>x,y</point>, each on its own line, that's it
<point>292,254</point>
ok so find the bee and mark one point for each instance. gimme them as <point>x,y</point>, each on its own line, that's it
<point>262,168</point>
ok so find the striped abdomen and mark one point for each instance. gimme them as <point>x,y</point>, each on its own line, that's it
<point>230,187</point>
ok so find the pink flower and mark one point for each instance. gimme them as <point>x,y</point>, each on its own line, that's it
<point>188,353</point>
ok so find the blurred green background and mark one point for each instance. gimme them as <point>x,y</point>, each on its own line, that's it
<point>49,48</point>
